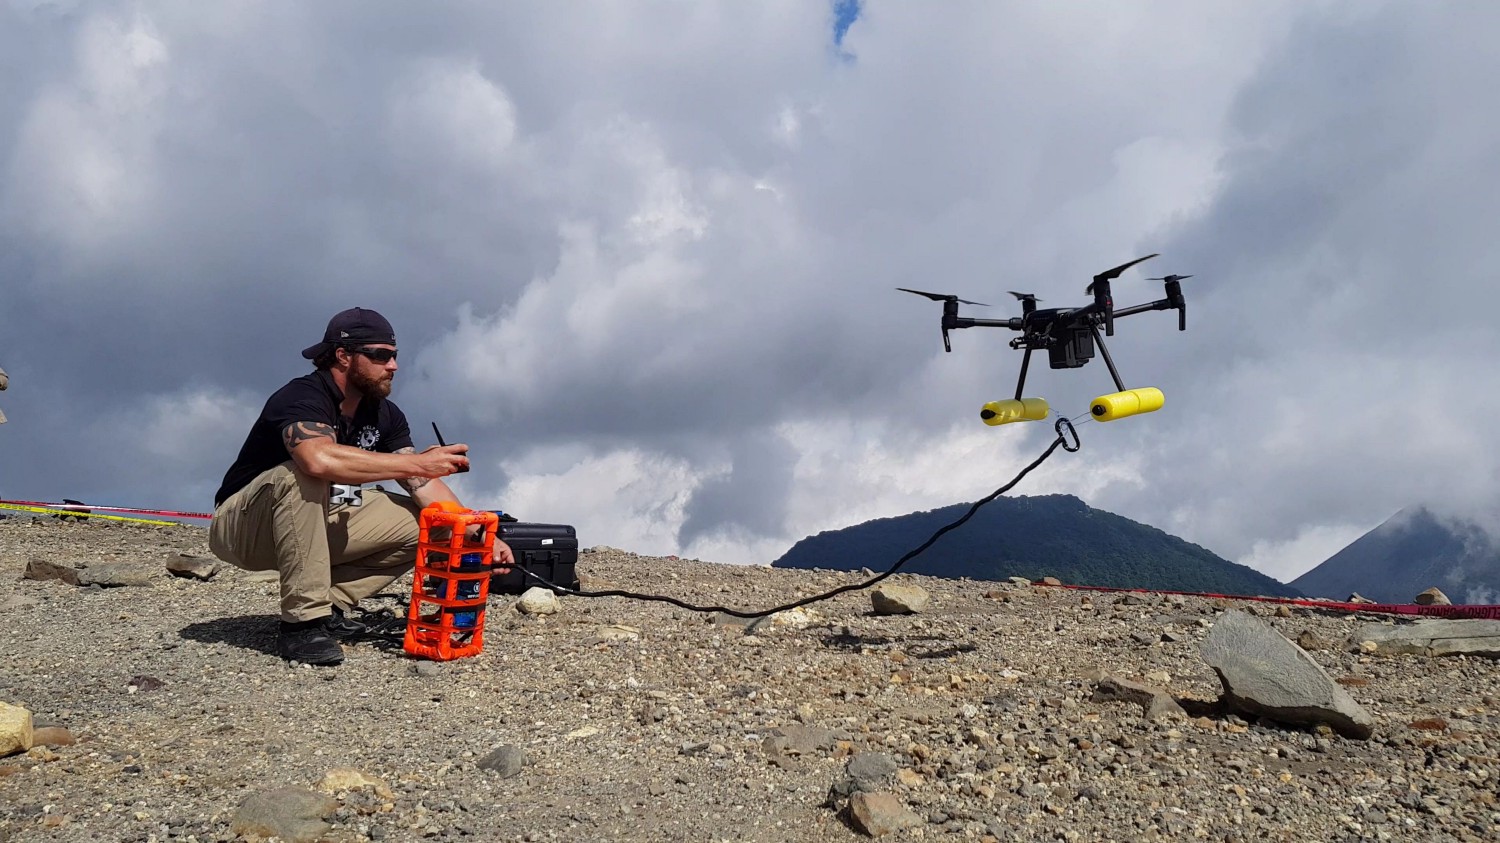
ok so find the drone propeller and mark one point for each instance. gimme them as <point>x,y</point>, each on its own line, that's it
<point>1170,278</point>
<point>1024,296</point>
<point>943,297</point>
<point>1112,274</point>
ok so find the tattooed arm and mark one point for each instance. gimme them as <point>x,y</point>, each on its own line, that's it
<point>425,490</point>
<point>313,447</point>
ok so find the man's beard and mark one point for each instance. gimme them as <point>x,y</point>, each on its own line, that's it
<point>375,386</point>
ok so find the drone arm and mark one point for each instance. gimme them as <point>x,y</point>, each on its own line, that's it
<point>1021,384</point>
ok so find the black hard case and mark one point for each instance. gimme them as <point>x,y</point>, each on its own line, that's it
<point>548,550</point>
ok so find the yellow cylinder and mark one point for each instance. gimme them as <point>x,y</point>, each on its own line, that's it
<point>1118,405</point>
<point>1013,410</point>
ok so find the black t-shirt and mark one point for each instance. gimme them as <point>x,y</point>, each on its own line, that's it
<point>378,425</point>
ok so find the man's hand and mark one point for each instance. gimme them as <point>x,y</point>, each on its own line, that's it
<point>441,461</point>
<point>503,558</point>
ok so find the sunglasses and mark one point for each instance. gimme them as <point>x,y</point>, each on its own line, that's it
<point>379,355</point>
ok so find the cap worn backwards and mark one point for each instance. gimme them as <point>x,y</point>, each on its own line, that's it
<point>355,326</point>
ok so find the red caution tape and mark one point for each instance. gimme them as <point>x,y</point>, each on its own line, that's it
<point>1463,612</point>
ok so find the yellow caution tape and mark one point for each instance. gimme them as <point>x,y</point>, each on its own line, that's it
<point>45,511</point>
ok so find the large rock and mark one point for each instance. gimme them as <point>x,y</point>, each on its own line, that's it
<point>898,599</point>
<point>1432,597</point>
<point>1433,637</point>
<point>41,569</point>
<point>115,574</point>
<point>293,814</point>
<point>1266,675</point>
<point>192,567</point>
<point>1155,702</point>
<point>538,601</point>
<point>15,729</point>
<point>878,814</point>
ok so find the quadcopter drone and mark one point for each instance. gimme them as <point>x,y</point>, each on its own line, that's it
<point>1069,335</point>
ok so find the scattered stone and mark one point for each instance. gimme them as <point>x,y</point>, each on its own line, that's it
<point>898,599</point>
<point>1433,637</point>
<point>1018,581</point>
<point>507,761</point>
<point>1309,640</point>
<point>1155,702</point>
<point>52,736</point>
<point>143,683</point>
<point>800,740</point>
<point>18,601</point>
<point>1266,675</point>
<point>294,814</point>
<point>427,669</point>
<point>260,576</point>
<point>1428,724</point>
<point>1356,597</point>
<point>1050,581</point>
<point>870,770</point>
<point>341,779</point>
<point>115,575</point>
<point>16,734</point>
<point>538,601</point>
<point>1283,611</point>
<point>192,567</point>
<point>1432,597</point>
<point>878,814</point>
<point>615,632</point>
<point>41,569</point>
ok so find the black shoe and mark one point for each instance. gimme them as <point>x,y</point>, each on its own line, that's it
<point>309,643</point>
<point>341,626</point>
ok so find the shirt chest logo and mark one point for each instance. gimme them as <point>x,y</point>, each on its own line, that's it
<point>367,438</point>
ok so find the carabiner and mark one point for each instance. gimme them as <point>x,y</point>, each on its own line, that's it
<point>1064,424</point>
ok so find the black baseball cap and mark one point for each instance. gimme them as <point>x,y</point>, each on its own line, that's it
<point>355,326</point>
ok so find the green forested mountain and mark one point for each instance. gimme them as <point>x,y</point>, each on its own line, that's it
<point>1047,535</point>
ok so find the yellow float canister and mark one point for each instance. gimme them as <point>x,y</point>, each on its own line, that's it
<point>1013,410</point>
<point>1131,402</point>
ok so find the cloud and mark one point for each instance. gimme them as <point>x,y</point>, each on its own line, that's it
<point>642,258</point>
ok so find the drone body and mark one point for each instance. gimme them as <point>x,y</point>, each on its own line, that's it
<point>1070,336</point>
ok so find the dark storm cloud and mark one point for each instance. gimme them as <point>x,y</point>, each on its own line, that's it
<point>642,257</point>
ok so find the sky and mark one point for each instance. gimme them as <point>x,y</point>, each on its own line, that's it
<point>642,257</point>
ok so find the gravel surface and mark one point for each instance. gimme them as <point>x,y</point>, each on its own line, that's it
<point>623,720</point>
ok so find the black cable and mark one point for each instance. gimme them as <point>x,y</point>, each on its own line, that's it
<point>1061,439</point>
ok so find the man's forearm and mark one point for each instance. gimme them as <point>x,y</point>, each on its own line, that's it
<point>348,464</point>
<point>428,491</point>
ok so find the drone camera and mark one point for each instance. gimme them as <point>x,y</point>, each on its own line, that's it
<point>1076,349</point>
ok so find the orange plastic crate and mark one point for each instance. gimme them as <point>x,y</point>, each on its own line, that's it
<point>451,582</point>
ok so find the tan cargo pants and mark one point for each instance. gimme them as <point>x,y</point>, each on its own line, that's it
<point>282,521</point>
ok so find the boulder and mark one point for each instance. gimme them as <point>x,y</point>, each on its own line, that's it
<point>192,567</point>
<point>293,814</point>
<point>898,599</point>
<point>1432,637</point>
<point>41,569</point>
<point>114,575</point>
<point>1155,702</point>
<point>506,760</point>
<point>1265,675</point>
<point>1432,597</point>
<point>538,601</point>
<point>16,733</point>
<point>878,814</point>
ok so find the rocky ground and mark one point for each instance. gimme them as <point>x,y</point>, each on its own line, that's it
<point>621,720</point>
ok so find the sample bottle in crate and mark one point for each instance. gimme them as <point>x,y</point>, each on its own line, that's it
<point>450,585</point>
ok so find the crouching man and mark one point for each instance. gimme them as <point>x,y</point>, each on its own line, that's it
<point>292,501</point>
